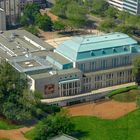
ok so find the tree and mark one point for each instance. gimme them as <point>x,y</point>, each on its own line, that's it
<point>58,25</point>
<point>123,16</point>
<point>138,101</point>
<point>136,69</point>
<point>73,12</point>
<point>99,6</point>
<point>133,21</point>
<point>60,8</point>
<point>54,125</point>
<point>111,12</point>
<point>76,14</point>
<point>17,103</point>
<point>124,29</point>
<point>29,13</point>
<point>107,25</point>
<point>24,21</point>
<point>32,29</point>
<point>44,22</point>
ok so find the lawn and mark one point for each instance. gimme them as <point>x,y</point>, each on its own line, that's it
<point>93,128</point>
<point>6,125</point>
<point>30,134</point>
<point>125,128</point>
<point>129,96</point>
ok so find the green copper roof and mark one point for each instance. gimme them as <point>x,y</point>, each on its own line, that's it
<point>85,47</point>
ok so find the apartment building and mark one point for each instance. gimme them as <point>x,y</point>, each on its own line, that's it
<point>12,11</point>
<point>132,6</point>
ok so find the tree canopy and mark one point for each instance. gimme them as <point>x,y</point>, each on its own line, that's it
<point>136,69</point>
<point>17,103</point>
<point>44,22</point>
<point>99,6</point>
<point>29,14</point>
<point>107,25</point>
<point>32,29</point>
<point>53,125</point>
<point>73,12</point>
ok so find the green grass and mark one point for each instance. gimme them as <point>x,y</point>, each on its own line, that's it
<point>129,96</point>
<point>92,128</point>
<point>121,90</point>
<point>6,125</point>
<point>30,134</point>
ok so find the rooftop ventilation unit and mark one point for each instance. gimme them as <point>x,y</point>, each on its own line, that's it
<point>53,72</point>
<point>31,65</point>
<point>27,63</point>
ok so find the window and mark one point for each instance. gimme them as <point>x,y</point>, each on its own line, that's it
<point>124,48</point>
<point>114,50</point>
<point>92,53</point>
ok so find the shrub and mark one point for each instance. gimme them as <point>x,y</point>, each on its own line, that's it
<point>58,25</point>
<point>121,90</point>
<point>138,101</point>
<point>53,125</point>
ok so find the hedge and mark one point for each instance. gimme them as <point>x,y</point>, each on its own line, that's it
<point>121,90</point>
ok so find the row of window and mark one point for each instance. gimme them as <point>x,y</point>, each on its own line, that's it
<point>105,63</point>
<point>68,77</point>
<point>101,84</point>
<point>107,76</point>
<point>69,92</point>
<point>70,85</point>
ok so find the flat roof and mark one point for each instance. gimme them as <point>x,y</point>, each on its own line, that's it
<point>20,42</point>
<point>35,38</point>
<point>69,71</point>
<point>59,58</point>
<point>40,75</point>
<point>40,53</point>
<point>30,63</point>
<point>58,72</point>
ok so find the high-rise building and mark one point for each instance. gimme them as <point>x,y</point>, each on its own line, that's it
<point>2,20</point>
<point>132,6</point>
<point>11,8</point>
<point>42,3</point>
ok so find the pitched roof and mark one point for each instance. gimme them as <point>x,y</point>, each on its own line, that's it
<point>78,45</point>
<point>63,137</point>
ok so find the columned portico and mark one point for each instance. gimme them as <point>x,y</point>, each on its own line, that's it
<point>69,87</point>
